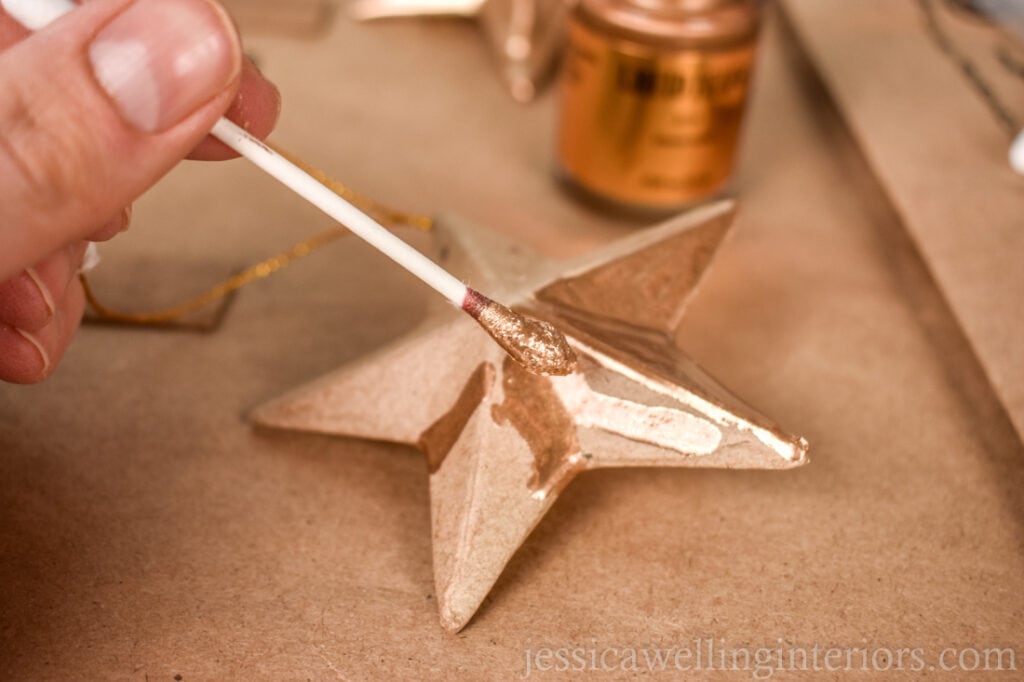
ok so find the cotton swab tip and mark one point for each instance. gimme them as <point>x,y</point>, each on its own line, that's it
<point>536,345</point>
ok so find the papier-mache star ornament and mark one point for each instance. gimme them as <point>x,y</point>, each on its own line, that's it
<point>501,443</point>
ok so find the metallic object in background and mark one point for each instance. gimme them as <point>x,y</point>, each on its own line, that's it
<point>525,35</point>
<point>653,98</point>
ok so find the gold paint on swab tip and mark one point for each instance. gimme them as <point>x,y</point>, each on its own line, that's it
<point>536,345</point>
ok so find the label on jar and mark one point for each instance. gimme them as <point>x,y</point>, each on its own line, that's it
<point>646,126</point>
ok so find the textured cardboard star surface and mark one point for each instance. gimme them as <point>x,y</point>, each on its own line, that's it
<point>502,443</point>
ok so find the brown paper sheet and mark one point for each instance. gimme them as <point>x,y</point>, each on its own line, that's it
<point>941,155</point>
<point>295,18</point>
<point>149,532</point>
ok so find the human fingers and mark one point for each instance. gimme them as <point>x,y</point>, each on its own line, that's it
<point>256,108</point>
<point>10,31</point>
<point>28,357</point>
<point>113,227</point>
<point>256,105</point>
<point>28,301</point>
<point>97,107</point>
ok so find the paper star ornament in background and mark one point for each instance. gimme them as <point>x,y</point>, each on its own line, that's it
<point>526,36</point>
<point>500,443</point>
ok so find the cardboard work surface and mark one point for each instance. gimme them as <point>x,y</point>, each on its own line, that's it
<point>939,149</point>
<point>148,532</point>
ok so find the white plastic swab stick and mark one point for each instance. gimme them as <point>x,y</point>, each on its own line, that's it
<point>35,14</point>
<point>345,213</point>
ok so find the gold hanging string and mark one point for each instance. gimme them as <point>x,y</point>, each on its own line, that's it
<point>384,214</point>
<point>387,216</point>
<point>218,291</point>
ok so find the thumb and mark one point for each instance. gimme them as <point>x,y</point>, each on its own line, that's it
<point>97,107</point>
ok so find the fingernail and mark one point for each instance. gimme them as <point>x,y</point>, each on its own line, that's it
<point>126,217</point>
<point>159,60</point>
<point>43,355</point>
<point>44,291</point>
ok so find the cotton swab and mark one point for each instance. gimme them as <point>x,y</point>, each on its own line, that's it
<point>536,345</point>
<point>316,193</point>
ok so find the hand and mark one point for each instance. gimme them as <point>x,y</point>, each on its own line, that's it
<point>95,108</point>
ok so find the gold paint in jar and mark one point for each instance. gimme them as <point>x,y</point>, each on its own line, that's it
<point>653,94</point>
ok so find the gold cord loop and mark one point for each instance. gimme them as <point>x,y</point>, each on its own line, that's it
<point>385,215</point>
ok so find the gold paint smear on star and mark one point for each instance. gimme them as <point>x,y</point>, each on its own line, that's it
<point>533,408</point>
<point>440,437</point>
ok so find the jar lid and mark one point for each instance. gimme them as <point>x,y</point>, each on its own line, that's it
<point>696,23</point>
